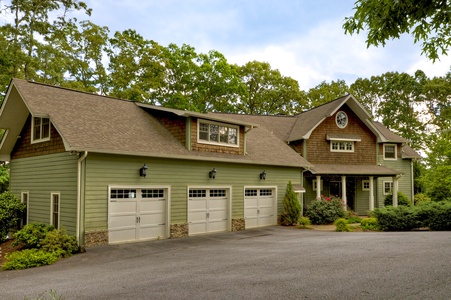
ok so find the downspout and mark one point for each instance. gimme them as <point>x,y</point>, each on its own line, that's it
<point>80,161</point>
<point>412,191</point>
<point>302,194</point>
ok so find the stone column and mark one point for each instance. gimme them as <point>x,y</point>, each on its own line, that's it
<point>371,206</point>
<point>343,192</point>
<point>318,187</point>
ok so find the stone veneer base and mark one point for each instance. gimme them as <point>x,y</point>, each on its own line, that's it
<point>96,238</point>
<point>238,224</point>
<point>179,230</point>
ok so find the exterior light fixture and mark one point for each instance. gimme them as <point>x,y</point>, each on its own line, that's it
<point>143,171</point>
<point>263,175</point>
<point>212,173</point>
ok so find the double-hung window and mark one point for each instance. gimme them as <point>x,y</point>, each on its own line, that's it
<point>40,129</point>
<point>388,187</point>
<point>390,151</point>
<point>217,133</point>
<point>55,210</point>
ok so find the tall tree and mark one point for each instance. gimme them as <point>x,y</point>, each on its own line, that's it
<point>326,92</point>
<point>428,21</point>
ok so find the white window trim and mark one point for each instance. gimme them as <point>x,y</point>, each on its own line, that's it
<point>340,150</point>
<point>218,143</point>
<point>383,187</point>
<point>33,140</point>
<point>314,185</point>
<point>347,119</point>
<point>363,185</point>
<point>27,203</point>
<point>396,152</point>
<point>59,209</point>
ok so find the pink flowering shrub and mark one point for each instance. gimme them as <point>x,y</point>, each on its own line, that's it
<point>325,210</point>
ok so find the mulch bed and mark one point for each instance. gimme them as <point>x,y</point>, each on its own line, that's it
<point>6,248</point>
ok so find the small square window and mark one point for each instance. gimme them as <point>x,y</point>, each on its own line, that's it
<point>365,185</point>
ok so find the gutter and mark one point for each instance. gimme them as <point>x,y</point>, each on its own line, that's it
<point>79,188</point>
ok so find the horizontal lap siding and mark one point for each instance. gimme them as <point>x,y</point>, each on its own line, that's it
<point>104,170</point>
<point>404,182</point>
<point>42,175</point>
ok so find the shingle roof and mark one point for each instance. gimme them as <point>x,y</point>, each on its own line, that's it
<point>370,170</point>
<point>389,135</point>
<point>89,122</point>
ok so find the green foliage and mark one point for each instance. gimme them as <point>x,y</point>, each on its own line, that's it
<point>402,200</point>
<point>351,219</point>
<point>325,210</point>
<point>401,218</point>
<point>434,215</point>
<point>342,225</point>
<point>59,243</point>
<point>369,224</point>
<point>32,235</point>
<point>291,207</point>
<point>420,198</point>
<point>10,209</point>
<point>4,174</point>
<point>53,295</point>
<point>28,258</point>
<point>304,223</point>
<point>387,20</point>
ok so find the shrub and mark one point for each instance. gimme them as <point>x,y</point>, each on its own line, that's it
<point>28,258</point>
<point>291,207</point>
<point>399,218</point>
<point>10,209</point>
<point>402,200</point>
<point>351,219</point>
<point>325,210</point>
<point>435,215</point>
<point>31,235</point>
<point>420,198</point>
<point>369,224</point>
<point>342,225</point>
<point>304,223</point>
<point>60,243</point>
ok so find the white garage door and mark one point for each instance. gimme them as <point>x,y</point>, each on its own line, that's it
<point>207,210</point>
<point>259,207</point>
<point>137,214</point>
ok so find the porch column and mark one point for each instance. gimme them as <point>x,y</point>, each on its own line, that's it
<point>371,206</point>
<point>343,192</point>
<point>395,191</point>
<point>318,187</point>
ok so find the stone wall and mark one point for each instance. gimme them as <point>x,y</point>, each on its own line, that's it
<point>96,238</point>
<point>238,224</point>
<point>179,230</point>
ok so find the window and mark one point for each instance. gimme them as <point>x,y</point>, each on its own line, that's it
<point>24,219</point>
<point>341,146</point>
<point>250,193</point>
<point>365,185</point>
<point>265,192</point>
<point>389,151</point>
<point>55,210</point>
<point>40,129</point>
<point>388,187</point>
<point>123,193</point>
<point>315,186</point>
<point>197,193</point>
<point>216,133</point>
<point>217,193</point>
<point>159,193</point>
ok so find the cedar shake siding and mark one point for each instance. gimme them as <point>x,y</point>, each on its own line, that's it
<point>196,146</point>
<point>318,147</point>
<point>175,124</point>
<point>24,147</point>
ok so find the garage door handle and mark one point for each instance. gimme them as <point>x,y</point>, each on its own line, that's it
<point>258,211</point>
<point>138,219</point>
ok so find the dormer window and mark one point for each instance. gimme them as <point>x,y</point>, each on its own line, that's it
<point>389,151</point>
<point>40,129</point>
<point>217,133</point>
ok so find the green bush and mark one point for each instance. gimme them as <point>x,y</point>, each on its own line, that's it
<point>342,225</point>
<point>60,243</point>
<point>401,218</point>
<point>402,200</point>
<point>325,210</point>
<point>351,219</point>
<point>304,223</point>
<point>291,207</point>
<point>435,215</point>
<point>10,211</point>
<point>31,235</point>
<point>420,198</point>
<point>28,258</point>
<point>369,224</point>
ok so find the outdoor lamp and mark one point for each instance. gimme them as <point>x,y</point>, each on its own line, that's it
<point>263,175</point>
<point>143,171</point>
<point>212,173</point>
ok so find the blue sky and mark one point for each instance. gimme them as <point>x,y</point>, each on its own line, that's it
<point>303,39</point>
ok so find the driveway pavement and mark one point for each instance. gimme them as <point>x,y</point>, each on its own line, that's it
<point>267,263</point>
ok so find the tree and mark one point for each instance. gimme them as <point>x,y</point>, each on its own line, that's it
<point>427,21</point>
<point>326,92</point>
<point>10,210</point>
<point>291,207</point>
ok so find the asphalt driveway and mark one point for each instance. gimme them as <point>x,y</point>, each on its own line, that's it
<point>268,263</point>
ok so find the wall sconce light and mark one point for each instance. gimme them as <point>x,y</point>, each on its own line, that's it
<point>263,175</point>
<point>143,171</point>
<point>212,173</point>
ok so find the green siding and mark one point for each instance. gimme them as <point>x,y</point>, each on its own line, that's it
<point>42,175</point>
<point>404,182</point>
<point>105,170</point>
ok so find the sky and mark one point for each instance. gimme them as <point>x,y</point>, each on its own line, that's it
<point>303,39</point>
